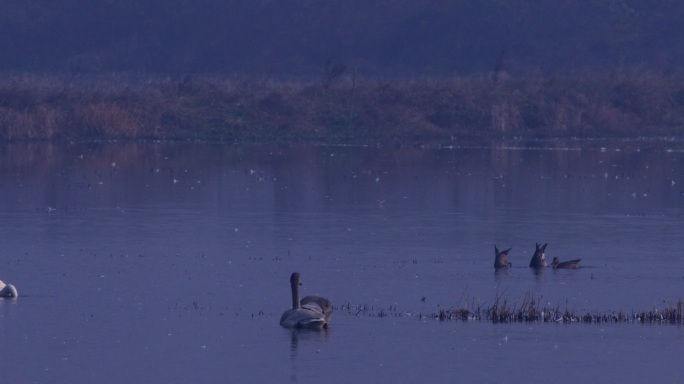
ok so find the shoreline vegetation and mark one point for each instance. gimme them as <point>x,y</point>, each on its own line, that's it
<point>339,108</point>
<point>531,309</point>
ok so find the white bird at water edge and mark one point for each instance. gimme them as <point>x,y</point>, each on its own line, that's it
<point>8,290</point>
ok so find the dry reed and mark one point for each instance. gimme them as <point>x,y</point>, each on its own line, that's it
<point>530,310</point>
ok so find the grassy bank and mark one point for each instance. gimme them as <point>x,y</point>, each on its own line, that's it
<point>339,110</point>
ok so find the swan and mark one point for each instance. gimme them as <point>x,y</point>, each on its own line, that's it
<point>8,290</point>
<point>310,315</point>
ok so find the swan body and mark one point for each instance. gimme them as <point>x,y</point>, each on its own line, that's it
<point>307,315</point>
<point>8,290</point>
<point>324,305</point>
<point>303,317</point>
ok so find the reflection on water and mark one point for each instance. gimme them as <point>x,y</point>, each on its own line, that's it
<point>306,336</point>
<point>501,273</point>
<point>166,261</point>
<point>310,339</point>
<point>538,273</point>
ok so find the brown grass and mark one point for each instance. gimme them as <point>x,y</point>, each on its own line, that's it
<point>369,111</point>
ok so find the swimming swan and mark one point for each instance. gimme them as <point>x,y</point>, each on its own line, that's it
<point>8,290</point>
<point>309,315</point>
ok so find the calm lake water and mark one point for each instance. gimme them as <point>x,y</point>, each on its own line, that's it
<point>170,263</point>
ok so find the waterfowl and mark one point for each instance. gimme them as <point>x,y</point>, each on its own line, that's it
<point>501,258</point>
<point>324,304</point>
<point>310,315</point>
<point>570,264</point>
<point>539,259</point>
<point>8,290</point>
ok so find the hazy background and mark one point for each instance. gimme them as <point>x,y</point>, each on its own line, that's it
<point>295,38</point>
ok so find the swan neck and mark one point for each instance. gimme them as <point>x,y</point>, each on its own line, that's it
<point>295,295</point>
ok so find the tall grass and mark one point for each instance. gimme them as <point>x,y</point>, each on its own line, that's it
<point>530,309</point>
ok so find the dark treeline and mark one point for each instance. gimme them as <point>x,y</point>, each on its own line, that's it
<point>295,38</point>
<point>340,70</point>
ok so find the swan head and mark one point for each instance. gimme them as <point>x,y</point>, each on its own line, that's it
<point>295,279</point>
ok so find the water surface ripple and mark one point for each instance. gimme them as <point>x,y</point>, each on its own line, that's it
<point>169,262</point>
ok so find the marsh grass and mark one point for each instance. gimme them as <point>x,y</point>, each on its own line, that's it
<point>530,310</point>
<point>362,110</point>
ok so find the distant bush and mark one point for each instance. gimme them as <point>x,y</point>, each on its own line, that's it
<point>221,109</point>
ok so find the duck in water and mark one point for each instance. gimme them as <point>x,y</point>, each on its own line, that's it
<point>539,259</point>
<point>501,258</point>
<point>570,264</point>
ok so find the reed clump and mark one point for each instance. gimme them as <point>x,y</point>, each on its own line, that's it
<point>531,310</point>
<point>346,110</point>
